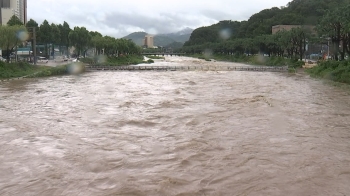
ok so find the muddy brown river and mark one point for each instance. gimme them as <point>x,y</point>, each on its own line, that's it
<point>174,133</point>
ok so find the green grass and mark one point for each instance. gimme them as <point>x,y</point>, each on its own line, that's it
<point>20,69</point>
<point>51,71</point>
<point>15,70</point>
<point>337,71</point>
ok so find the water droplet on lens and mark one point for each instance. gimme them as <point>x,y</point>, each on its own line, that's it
<point>225,34</point>
<point>22,35</point>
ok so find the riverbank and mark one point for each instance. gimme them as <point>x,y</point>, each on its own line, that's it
<point>9,71</point>
<point>337,71</point>
<point>252,60</point>
<point>19,70</point>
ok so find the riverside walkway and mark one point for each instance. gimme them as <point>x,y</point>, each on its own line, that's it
<point>187,68</point>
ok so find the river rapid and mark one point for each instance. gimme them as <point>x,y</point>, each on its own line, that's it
<point>174,133</point>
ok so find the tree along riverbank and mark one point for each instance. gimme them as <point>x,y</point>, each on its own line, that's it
<point>116,61</point>
<point>337,71</point>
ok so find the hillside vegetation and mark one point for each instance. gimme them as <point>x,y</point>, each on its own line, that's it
<point>173,40</point>
<point>330,17</point>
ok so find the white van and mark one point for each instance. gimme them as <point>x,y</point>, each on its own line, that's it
<point>42,60</point>
<point>2,59</point>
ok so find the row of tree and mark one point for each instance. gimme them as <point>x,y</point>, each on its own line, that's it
<point>284,43</point>
<point>63,36</point>
<point>329,19</point>
<point>81,39</point>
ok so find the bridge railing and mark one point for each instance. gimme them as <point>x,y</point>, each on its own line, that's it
<point>163,54</point>
<point>187,68</point>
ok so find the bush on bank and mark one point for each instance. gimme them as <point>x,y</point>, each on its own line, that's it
<point>51,71</point>
<point>338,71</point>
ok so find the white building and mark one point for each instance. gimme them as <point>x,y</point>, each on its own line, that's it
<point>8,8</point>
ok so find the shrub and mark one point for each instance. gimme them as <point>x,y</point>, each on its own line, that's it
<point>338,71</point>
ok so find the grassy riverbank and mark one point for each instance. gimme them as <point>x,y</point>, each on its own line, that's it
<point>116,61</point>
<point>253,60</point>
<point>18,70</point>
<point>337,71</point>
<point>15,70</point>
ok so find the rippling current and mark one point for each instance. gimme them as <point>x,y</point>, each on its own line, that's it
<point>174,133</point>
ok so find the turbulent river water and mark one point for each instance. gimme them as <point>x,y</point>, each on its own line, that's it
<point>174,133</point>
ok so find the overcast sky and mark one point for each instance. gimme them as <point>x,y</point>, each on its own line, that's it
<point>118,18</point>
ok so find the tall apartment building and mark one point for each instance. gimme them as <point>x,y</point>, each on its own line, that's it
<point>148,41</point>
<point>8,8</point>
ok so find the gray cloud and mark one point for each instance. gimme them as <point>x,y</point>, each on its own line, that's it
<point>119,18</point>
<point>165,22</point>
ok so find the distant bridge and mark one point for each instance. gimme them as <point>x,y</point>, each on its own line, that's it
<point>187,68</point>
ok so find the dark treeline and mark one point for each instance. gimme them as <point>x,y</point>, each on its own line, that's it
<point>82,39</point>
<point>320,21</point>
<point>62,36</point>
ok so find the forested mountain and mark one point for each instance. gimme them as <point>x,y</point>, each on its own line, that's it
<point>137,37</point>
<point>254,35</point>
<point>180,36</point>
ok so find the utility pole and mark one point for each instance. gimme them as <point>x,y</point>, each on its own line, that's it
<point>34,43</point>
<point>328,48</point>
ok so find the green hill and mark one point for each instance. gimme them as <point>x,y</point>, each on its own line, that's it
<point>297,12</point>
<point>137,37</point>
<point>330,17</point>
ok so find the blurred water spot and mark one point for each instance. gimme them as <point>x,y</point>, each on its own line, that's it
<point>101,59</point>
<point>22,35</point>
<point>261,59</point>
<point>153,31</point>
<point>75,68</point>
<point>225,34</point>
<point>208,53</point>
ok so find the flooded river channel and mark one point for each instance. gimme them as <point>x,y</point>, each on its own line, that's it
<point>174,133</point>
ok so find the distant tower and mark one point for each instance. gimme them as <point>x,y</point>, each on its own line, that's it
<point>8,8</point>
<point>23,11</point>
<point>148,41</point>
<point>4,7</point>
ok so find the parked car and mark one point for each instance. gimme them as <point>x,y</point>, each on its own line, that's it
<point>42,60</point>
